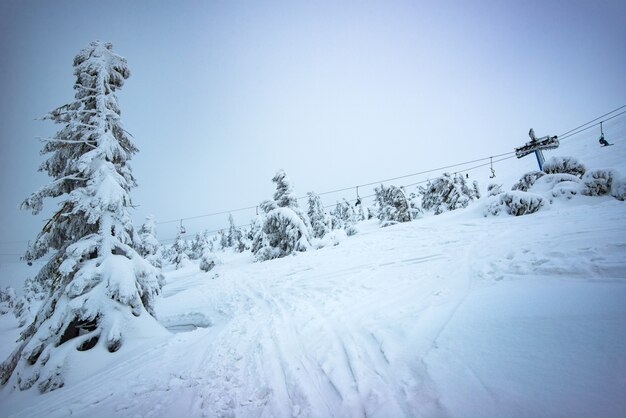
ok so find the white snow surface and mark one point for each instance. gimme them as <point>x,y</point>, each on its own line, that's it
<point>456,315</point>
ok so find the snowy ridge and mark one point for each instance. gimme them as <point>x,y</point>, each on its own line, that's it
<point>451,315</point>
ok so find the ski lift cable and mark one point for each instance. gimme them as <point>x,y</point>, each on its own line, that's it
<point>412,175</point>
<point>590,126</point>
<point>593,120</point>
<point>576,132</point>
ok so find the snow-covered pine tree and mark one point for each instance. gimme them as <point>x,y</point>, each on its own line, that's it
<point>149,247</point>
<point>285,227</point>
<point>223,239</point>
<point>360,213</point>
<point>448,192</point>
<point>180,250</point>
<point>315,211</point>
<point>234,236</point>
<point>392,205</point>
<point>100,289</point>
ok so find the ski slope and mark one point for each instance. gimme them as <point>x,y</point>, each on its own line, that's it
<point>453,315</point>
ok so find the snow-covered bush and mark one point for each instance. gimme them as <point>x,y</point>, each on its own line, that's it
<point>494,189</point>
<point>415,205</point>
<point>565,165</point>
<point>527,180</point>
<point>20,306</point>
<point>344,217</point>
<point>560,185</point>
<point>600,182</point>
<point>332,238</point>
<point>392,205</point>
<point>319,222</point>
<point>198,244</point>
<point>7,300</point>
<point>448,193</point>
<point>98,284</point>
<point>285,228</point>
<point>208,261</point>
<point>514,203</point>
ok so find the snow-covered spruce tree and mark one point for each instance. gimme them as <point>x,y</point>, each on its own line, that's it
<point>179,252</point>
<point>285,228</point>
<point>360,212</point>
<point>344,217</point>
<point>234,237</point>
<point>392,205</point>
<point>100,289</point>
<point>448,193</point>
<point>315,211</point>
<point>149,247</point>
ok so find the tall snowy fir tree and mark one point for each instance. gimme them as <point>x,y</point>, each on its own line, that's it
<point>101,291</point>
<point>285,228</point>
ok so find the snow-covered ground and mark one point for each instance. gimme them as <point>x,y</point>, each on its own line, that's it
<point>450,315</point>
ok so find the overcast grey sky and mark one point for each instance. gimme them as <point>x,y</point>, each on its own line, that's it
<point>337,93</point>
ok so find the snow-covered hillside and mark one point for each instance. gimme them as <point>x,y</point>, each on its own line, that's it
<point>451,315</point>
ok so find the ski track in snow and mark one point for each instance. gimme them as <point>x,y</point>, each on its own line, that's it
<point>299,337</point>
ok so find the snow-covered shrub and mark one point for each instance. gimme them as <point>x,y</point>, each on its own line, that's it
<point>392,205</point>
<point>448,193</point>
<point>494,189</point>
<point>344,217</point>
<point>98,284</point>
<point>332,238</point>
<point>514,203</point>
<point>319,222</point>
<point>527,180</point>
<point>566,189</point>
<point>7,300</point>
<point>559,185</point>
<point>208,261</point>
<point>415,205</point>
<point>285,228</point>
<point>618,188</point>
<point>566,165</point>
<point>197,246</point>
<point>598,182</point>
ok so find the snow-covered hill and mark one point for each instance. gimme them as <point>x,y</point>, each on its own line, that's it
<point>450,315</point>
